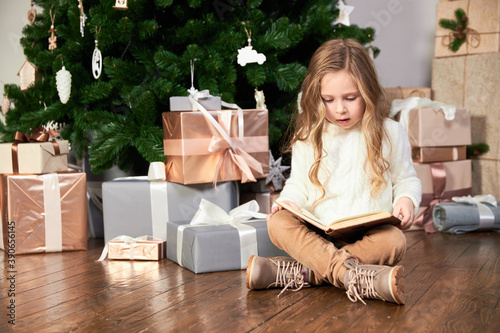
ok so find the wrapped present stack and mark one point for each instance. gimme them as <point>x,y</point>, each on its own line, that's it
<point>209,152</point>
<point>213,148</point>
<point>439,134</point>
<point>468,78</point>
<point>43,206</point>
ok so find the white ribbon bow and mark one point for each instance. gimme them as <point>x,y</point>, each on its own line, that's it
<point>486,216</point>
<point>211,214</point>
<point>408,104</point>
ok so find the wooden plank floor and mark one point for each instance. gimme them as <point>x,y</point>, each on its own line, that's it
<point>452,285</point>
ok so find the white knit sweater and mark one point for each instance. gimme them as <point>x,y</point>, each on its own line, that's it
<point>343,175</point>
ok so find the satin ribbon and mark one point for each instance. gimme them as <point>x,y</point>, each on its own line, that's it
<point>438,174</point>
<point>486,216</point>
<point>130,242</point>
<point>211,214</point>
<point>406,105</point>
<point>52,212</point>
<point>158,189</point>
<point>196,95</point>
<point>228,147</point>
<point>39,134</point>
<point>158,192</point>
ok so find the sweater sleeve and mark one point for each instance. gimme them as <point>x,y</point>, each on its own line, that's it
<point>405,182</point>
<point>296,186</point>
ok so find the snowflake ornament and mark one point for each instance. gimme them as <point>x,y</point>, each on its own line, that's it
<point>276,172</point>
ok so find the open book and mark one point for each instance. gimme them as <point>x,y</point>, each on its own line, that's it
<point>348,227</point>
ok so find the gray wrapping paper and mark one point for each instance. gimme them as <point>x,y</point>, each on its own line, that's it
<point>215,248</point>
<point>127,204</point>
<point>460,218</point>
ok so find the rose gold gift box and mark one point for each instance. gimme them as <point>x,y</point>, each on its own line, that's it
<point>188,136</point>
<point>142,250</point>
<point>429,128</point>
<point>438,154</point>
<point>441,182</point>
<point>43,213</point>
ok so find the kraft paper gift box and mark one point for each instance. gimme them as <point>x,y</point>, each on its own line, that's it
<point>441,182</point>
<point>483,34</point>
<point>219,241</point>
<point>48,212</point>
<point>197,151</point>
<point>140,248</point>
<point>429,128</point>
<point>34,158</point>
<point>438,154</point>
<point>134,206</point>
<point>393,93</point>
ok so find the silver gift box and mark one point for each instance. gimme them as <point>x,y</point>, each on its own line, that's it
<point>214,248</point>
<point>127,204</point>
<point>181,103</point>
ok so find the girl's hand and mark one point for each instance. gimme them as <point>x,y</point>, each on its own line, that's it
<point>405,211</point>
<point>277,208</point>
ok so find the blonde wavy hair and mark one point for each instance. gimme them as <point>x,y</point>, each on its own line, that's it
<point>333,56</point>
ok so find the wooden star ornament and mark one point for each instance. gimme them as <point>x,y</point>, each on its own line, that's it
<point>343,14</point>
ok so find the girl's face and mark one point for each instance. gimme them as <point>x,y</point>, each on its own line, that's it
<point>342,99</point>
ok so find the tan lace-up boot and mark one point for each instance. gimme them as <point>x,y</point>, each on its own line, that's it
<point>374,282</point>
<point>276,272</point>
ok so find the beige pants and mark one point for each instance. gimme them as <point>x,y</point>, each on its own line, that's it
<point>384,245</point>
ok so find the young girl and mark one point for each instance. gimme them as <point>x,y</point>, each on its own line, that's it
<point>348,158</point>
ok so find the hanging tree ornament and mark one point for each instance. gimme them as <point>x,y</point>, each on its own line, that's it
<point>53,37</point>
<point>31,14</point>
<point>120,5</point>
<point>63,84</point>
<point>83,17</point>
<point>343,17</point>
<point>6,103</point>
<point>260,99</point>
<point>247,54</point>
<point>96,58</point>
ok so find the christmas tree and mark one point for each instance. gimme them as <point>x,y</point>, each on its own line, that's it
<point>146,55</point>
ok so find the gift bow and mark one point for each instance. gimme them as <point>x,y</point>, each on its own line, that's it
<point>241,158</point>
<point>128,241</point>
<point>486,216</point>
<point>211,214</point>
<point>39,134</point>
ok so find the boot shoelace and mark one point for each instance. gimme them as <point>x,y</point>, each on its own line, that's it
<point>289,275</point>
<point>361,285</point>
